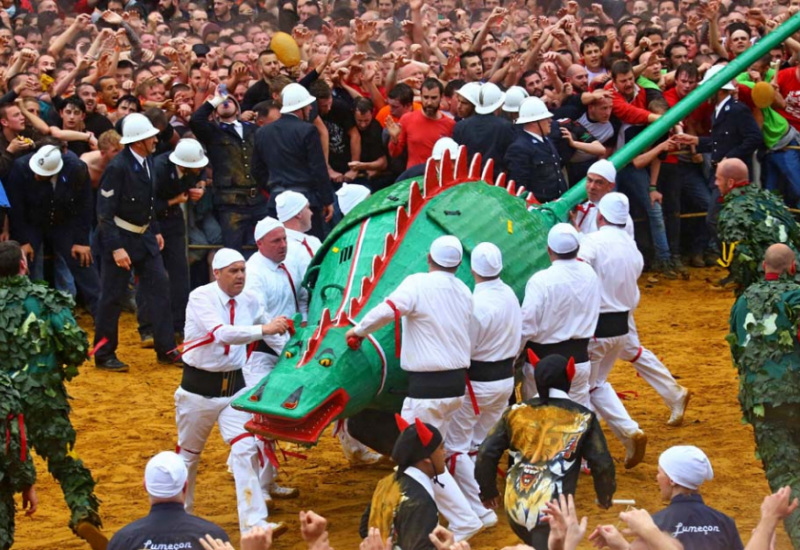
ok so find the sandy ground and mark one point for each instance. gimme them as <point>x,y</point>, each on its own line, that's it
<point>124,419</point>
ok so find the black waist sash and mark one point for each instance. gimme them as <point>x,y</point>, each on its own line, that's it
<point>612,324</point>
<point>489,371</point>
<point>263,347</point>
<point>212,384</point>
<point>577,348</point>
<point>437,384</point>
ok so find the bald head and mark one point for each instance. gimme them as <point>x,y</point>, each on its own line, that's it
<point>779,259</point>
<point>578,77</point>
<point>731,172</point>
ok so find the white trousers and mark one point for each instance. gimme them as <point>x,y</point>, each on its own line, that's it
<point>649,367</point>
<point>603,353</point>
<point>578,389</point>
<point>257,367</point>
<point>450,501</point>
<point>352,448</point>
<point>195,416</point>
<point>467,432</point>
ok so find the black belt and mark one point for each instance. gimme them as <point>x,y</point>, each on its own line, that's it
<point>212,384</point>
<point>438,384</point>
<point>489,371</point>
<point>263,347</point>
<point>249,191</point>
<point>577,348</point>
<point>611,324</point>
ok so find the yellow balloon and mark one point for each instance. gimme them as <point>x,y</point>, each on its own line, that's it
<point>285,48</point>
<point>763,94</point>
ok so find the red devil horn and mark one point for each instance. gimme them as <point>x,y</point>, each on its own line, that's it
<point>424,434</point>
<point>401,423</point>
<point>570,368</point>
<point>533,359</point>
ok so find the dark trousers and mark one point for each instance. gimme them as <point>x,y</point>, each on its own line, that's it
<point>87,280</point>
<point>777,436</point>
<point>173,230</point>
<point>153,282</point>
<point>684,189</point>
<point>238,224</point>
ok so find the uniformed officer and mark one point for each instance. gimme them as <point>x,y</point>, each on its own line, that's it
<point>495,328</point>
<point>129,237</point>
<point>600,181</point>
<point>532,159</point>
<point>239,201</point>
<point>618,264</point>
<point>51,198</point>
<point>435,353</point>
<point>484,132</point>
<point>560,311</point>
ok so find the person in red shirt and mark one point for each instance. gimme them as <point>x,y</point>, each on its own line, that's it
<point>418,131</point>
<point>629,102</point>
<point>789,87</point>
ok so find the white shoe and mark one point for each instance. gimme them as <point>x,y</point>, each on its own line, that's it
<point>489,520</point>
<point>277,529</point>
<point>467,535</point>
<point>277,491</point>
<point>366,457</point>
<point>679,409</point>
<point>635,447</point>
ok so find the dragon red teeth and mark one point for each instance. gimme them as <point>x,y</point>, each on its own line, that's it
<point>488,171</point>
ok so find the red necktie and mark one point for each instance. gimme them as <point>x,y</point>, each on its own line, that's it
<point>585,211</point>
<point>291,283</point>
<point>310,252</point>
<point>232,303</point>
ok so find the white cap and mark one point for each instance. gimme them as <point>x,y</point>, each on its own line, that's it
<point>165,475</point>
<point>46,161</point>
<point>470,91</point>
<point>686,465</point>
<point>563,238</point>
<point>605,169</point>
<point>290,204</point>
<point>487,260</point>
<point>515,95</point>
<point>349,195</point>
<point>446,251</point>
<point>712,72</point>
<point>265,226</point>
<point>532,109</point>
<point>615,208</point>
<point>490,98</point>
<point>442,144</point>
<point>188,153</point>
<point>225,257</point>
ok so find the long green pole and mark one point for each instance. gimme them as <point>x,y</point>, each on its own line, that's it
<point>684,107</point>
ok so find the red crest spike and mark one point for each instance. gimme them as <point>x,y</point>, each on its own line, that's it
<point>475,167</point>
<point>424,434</point>
<point>462,174</point>
<point>533,359</point>
<point>446,169</point>
<point>431,181</point>
<point>570,368</point>
<point>488,172</point>
<point>401,423</point>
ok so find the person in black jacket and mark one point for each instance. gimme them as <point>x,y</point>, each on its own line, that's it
<point>547,436</point>
<point>51,203</point>
<point>129,237</point>
<point>484,132</point>
<point>239,200</point>
<point>288,155</point>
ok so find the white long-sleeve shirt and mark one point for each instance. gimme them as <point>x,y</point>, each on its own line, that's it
<point>586,219</point>
<point>302,248</point>
<point>272,287</point>
<point>436,309</point>
<point>208,308</point>
<point>496,321</point>
<point>618,264</point>
<point>561,303</point>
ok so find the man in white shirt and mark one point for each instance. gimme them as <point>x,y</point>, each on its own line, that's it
<point>560,311</point>
<point>435,308</point>
<point>618,263</point>
<point>495,328</point>
<point>600,181</point>
<point>351,195</point>
<point>221,320</point>
<point>295,214</point>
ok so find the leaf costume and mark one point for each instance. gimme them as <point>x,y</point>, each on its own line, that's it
<point>16,466</point>
<point>42,347</point>
<point>766,352</point>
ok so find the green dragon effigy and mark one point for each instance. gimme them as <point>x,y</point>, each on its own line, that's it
<point>383,240</point>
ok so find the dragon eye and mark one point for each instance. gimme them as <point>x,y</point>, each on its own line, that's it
<point>288,354</point>
<point>326,362</point>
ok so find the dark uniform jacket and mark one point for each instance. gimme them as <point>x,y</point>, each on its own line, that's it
<point>288,155</point>
<point>230,157</point>
<point>697,526</point>
<point>128,193</point>
<point>488,135</point>
<point>166,526</point>
<point>734,134</point>
<point>169,185</point>
<point>537,166</point>
<point>36,207</point>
